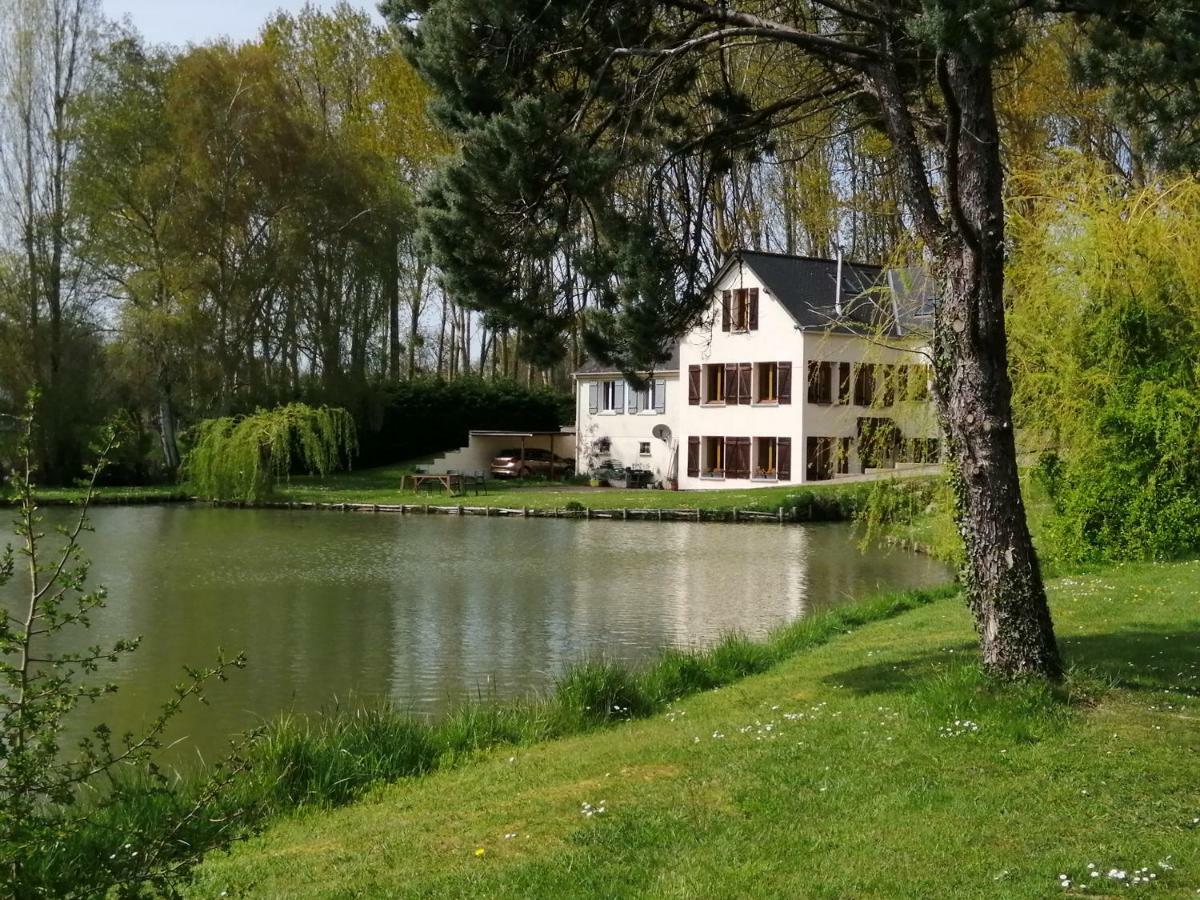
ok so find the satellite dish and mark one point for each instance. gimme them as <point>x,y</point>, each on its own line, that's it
<point>662,432</point>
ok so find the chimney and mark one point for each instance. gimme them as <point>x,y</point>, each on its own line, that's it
<point>837,290</point>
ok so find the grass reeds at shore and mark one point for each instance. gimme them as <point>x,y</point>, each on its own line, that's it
<point>880,763</point>
<point>325,761</point>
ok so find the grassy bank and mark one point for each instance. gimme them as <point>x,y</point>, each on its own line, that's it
<point>382,486</point>
<point>877,763</point>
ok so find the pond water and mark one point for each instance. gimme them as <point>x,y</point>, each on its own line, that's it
<point>428,611</point>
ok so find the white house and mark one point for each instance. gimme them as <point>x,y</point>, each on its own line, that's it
<point>802,370</point>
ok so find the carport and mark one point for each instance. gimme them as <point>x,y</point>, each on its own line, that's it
<point>484,445</point>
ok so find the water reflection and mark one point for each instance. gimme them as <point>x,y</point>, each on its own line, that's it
<point>427,611</point>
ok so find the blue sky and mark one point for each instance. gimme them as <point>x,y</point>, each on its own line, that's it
<point>194,21</point>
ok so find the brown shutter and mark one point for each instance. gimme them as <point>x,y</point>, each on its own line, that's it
<point>693,385</point>
<point>731,383</point>
<point>843,383</point>
<point>743,457</point>
<point>889,385</point>
<point>753,309</point>
<point>745,381</point>
<point>783,457</point>
<point>725,297</point>
<point>814,373</point>
<point>693,457</point>
<point>785,382</point>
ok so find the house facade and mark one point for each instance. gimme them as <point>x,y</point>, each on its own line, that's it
<point>802,370</point>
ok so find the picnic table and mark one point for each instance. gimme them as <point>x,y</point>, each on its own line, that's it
<point>451,481</point>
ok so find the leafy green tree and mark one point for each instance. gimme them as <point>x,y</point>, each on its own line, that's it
<point>243,457</point>
<point>572,115</point>
<point>1106,358</point>
<point>127,194</point>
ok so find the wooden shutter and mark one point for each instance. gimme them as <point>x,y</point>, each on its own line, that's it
<point>745,381</point>
<point>635,399</point>
<point>693,385</point>
<point>783,458</point>
<point>731,383</point>
<point>785,382</point>
<point>889,385</point>
<point>693,457</point>
<point>743,458</point>
<point>753,309</point>
<point>594,396</point>
<point>813,375</point>
<point>725,297</point>
<point>660,396</point>
<point>619,396</point>
<point>843,383</point>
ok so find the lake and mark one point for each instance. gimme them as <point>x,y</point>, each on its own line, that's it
<point>429,611</point>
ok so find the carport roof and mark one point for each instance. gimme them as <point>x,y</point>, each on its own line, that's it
<point>566,430</point>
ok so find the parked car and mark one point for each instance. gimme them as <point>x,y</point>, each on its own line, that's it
<point>537,462</point>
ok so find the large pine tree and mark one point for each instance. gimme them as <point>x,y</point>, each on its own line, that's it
<point>591,132</point>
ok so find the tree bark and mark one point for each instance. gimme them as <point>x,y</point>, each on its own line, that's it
<point>1003,577</point>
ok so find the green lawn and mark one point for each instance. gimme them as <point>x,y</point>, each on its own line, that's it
<point>877,765</point>
<point>382,485</point>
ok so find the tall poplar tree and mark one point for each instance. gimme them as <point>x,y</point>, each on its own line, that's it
<point>572,115</point>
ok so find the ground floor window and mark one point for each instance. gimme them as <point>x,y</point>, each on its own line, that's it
<point>827,456</point>
<point>643,448</point>
<point>919,450</point>
<point>713,464</point>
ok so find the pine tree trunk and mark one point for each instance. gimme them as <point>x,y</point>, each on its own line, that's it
<point>1003,578</point>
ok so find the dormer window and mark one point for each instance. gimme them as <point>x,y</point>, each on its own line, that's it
<point>739,310</point>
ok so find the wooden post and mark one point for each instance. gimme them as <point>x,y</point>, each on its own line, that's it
<point>525,512</point>
<point>587,512</point>
<point>735,512</point>
<point>426,510</point>
<point>624,514</point>
<point>781,515</point>
<point>461,511</point>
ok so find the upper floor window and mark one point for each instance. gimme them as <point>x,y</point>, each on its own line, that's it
<point>714,383</point>
<point>766,380</point>
<point>606,396</point>
<point>820,382</point>
<point>651,398</point>
<point>739,309</point>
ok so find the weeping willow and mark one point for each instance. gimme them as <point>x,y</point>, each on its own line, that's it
<point>244,457</point>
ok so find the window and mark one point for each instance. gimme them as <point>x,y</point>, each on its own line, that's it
<point>820,459</point>
<point>914,383</point>
<point>864,385</point>
<point>766,380</point>
<point>766,458</point>
<point>739,310</point>
<point>612,396</point>
<point>714,383</point>
<point>652,398</point>
<point>644,448</point>
<point>713,464</point>
<point>919,450</point>
<point>820,382</point>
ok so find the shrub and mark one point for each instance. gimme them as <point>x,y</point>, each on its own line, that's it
<point>426,416</point>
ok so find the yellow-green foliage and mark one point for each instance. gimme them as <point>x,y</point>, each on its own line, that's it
<point>242,457</point>
<point>1105,339</point>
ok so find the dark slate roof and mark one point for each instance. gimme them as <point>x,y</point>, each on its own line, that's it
<point>807,288</point>
<point>593,367</point>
